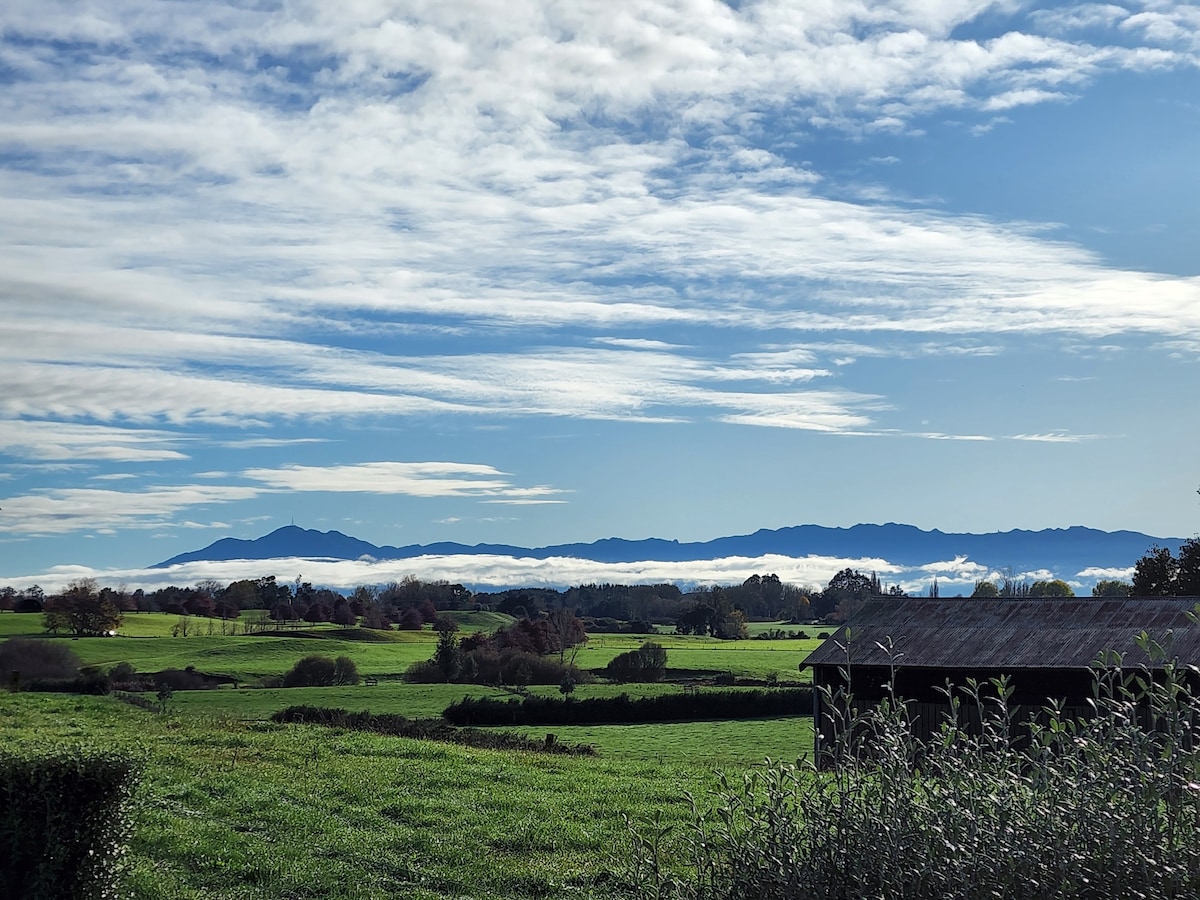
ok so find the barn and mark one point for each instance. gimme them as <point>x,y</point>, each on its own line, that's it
<point>1046,647</point>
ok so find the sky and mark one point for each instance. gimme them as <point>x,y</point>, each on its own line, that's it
<point>535,273</point>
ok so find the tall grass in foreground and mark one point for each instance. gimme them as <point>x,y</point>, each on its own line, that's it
<point>1104,806</point>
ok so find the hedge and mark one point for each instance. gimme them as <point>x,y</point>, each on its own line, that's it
<point>426,730</point>
<point>681,707</point>
<point>64,822</point>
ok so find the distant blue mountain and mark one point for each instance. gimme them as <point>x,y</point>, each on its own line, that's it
<point>1062,550</point>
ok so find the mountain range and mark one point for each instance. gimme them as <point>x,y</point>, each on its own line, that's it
<point>1060,550</point>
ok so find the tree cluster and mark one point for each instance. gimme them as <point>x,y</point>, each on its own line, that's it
<point>845,594</point>
<point>1160,574</point>
<point>29,600</point>
<point>81,611</point>
<point>520,654</point>
<point>412,604</point>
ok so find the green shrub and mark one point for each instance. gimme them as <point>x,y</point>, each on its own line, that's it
<point>486,665</point>
<point>647,663</point>
<point>63,822</point>
<point>25,659</point>
<point>1089,808</point>
<point>345,671</point>
<point>424,671</point>
<point>316,670</point>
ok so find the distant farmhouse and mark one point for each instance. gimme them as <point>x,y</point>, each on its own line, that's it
<point>1045,646</point>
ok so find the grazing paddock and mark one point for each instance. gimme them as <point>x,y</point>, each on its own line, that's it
<point>234,807</point>
<point>697,657</point>
<point>703,746</point>
<point>230,810</point>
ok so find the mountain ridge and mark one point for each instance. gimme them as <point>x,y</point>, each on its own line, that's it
<point>1053,549</point>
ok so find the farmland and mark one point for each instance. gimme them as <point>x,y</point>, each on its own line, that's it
<point>235,806</point>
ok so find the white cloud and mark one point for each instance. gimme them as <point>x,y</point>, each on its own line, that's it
<point>498,572</point>
<point>1023,97</point>
<point>1080,15</point>
<point>532,171</point>
<point>526,501</point>
<point>959,569</point>
<point>1172,24</point>
<point>941,436</point>
<point>1056,437</point>
<point>1101,573</point>
<point>60,511</point>
<point>56,440</point>
<point>483,570</point>
<point>419,479</point>
<point>65,510</point>
<point>272,442</point>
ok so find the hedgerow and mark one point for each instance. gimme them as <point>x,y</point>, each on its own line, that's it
<point>426,730</point>
<point>680,707</point>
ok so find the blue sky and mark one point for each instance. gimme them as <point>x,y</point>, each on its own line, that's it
<point>545,272</point>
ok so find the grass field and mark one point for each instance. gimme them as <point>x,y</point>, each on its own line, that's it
<point>809,631</point>
<point>235,811</point>
<point>145,641</point>
<point>700,746</point>
<point>235,807</point>
<point>703,656</point>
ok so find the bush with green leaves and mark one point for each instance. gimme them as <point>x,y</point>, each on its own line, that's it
<point>647,663</point>
<point>1102,806</point>
<point>316,670</point>
<point>23,660</point>
<point>486,665</point>
<point>64,820</point>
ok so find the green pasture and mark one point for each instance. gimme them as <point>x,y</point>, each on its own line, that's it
<point>154,624</point>
<point>414,701</point>
<point>13,624</point>
<point>701,746</point>
<point>145,641</point>
<point>248,657</point>
<point>710,746</point>
<point>473,620</point>
<point>810,632</point>
<point>238,811</point>
<point>235,807</point>
<point>691,656</point>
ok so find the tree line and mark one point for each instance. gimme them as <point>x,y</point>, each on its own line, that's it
<point>413,603</point>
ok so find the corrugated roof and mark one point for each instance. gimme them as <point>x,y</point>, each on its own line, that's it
<point>1012,634</point>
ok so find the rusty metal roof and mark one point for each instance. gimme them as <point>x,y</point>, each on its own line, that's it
<point>1012,634</point>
